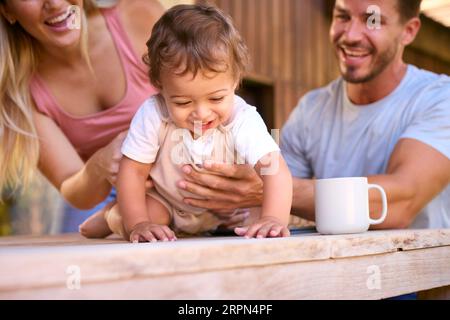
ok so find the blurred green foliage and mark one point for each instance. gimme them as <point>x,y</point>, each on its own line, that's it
<point>5,221</point>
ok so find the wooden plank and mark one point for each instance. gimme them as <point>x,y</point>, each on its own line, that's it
<point>370,277</point>
<point>46,266</point>
<point>383,240</point>
<point>249,23</point>
<point>276,44</point>
<point>388,241</point>
<point>309,40</point>
<point>322,32</point>
<point>299,43</point>
<point>237,12</point>
<point>259,78</point>
<point>264,34</point>
<point>433,41</point>
<point>54,240</point>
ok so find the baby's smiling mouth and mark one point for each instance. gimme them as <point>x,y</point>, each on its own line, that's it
<point>207,123</point>
<point>200,125</point>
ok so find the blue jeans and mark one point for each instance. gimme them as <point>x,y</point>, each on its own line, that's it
<point>73,217</point>
<point>410,296</point>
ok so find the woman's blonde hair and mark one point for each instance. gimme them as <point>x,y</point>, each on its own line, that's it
<point>19,145</point>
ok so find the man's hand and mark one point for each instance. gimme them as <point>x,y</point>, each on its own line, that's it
<point>225,187</point>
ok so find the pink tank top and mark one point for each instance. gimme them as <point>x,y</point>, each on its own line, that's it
<point>90,133</point>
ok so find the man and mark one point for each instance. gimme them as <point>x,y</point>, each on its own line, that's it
<point>382,119</point>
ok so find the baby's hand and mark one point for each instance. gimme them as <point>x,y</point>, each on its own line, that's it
<point>266,227</point>
<point>150,232</point>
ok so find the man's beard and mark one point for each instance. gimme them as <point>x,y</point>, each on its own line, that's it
<point>381,63</point>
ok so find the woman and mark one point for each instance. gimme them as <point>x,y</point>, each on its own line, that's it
<point>67,97</point>
<point>75,89</point>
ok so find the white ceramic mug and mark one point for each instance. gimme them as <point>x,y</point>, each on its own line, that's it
<point>342,205</point>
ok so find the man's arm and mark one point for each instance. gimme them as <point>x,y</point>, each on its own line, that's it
<point>416,174</point>
<point>303,198</point>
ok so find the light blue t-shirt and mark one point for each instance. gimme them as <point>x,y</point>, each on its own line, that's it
<point>327,136</point>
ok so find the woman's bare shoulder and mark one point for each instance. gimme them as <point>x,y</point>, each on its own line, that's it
<point>138,17</point>
<point>144,7</point>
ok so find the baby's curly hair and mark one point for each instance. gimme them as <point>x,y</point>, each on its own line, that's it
<point>193,38</point>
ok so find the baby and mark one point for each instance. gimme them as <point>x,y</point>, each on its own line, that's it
<point>196,60</point>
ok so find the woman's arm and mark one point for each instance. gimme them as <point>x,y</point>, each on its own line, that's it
<point>138,18</point>
<point>83,185</point>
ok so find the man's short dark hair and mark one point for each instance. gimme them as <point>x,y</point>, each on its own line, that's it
<point>408,9</point>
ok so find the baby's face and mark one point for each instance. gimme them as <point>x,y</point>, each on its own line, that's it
<point>206,100</point>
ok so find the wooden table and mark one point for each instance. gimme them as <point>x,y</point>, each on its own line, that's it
<point>373,265</point>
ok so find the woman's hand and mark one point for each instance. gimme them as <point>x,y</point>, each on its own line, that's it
<point>107,160</point>
<point>225,187</point>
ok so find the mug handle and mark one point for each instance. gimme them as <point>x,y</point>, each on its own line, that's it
<point>384,201</point>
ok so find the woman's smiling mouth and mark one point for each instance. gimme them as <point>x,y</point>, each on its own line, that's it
<point>59,22</point>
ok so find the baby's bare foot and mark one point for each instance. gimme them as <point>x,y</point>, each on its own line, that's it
<point>96,227</point>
